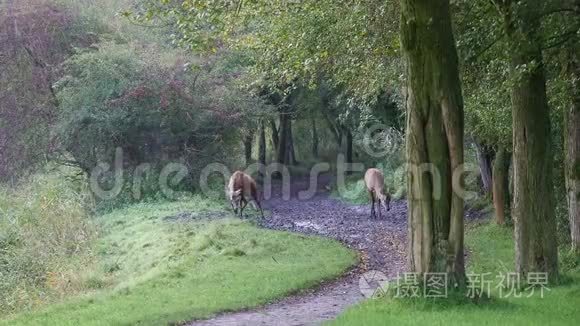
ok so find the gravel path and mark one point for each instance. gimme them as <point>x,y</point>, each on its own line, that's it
<point>381,244</point>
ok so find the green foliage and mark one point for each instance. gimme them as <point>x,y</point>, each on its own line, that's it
<point>153,258</point>
<point>486,77</point>
<point>354,43</point>
<point>156,105</point>
<point>118,97</point>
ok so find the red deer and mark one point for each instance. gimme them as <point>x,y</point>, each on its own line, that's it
<point>375,182</point>
<point>242,190</point>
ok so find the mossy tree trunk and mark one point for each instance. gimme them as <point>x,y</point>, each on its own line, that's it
<point>501,184</point>
<point>434,136</point>
<point>572,147</point>
<point>533,207</point>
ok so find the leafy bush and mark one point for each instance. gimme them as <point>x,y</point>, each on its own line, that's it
<point>150,103</point>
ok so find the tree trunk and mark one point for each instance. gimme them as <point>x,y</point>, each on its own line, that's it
<point>274,134</point>
<point>283,140</point>
<point>485,156</point>
<point>533,209</point>
<point>572,148</point>
<point>262,144</point>
<point>248,148</point>
<point>434,137</point>
<point>314,139</point>
<point>290,142</point>
<point>501,184</point>
<point>348,148</point>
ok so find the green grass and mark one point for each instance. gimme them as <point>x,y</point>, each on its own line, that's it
<point>156,270</point>
<point>491,250</point>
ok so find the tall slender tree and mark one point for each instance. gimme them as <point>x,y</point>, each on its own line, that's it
<point>533,202</point>
<point>434,137</point>
<point>500,186</point>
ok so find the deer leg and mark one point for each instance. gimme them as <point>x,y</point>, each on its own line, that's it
<point>259,207</point>
<point>234,207</point>
<point>242,206</point>
<point>372,204</point>
<point>379,207</point>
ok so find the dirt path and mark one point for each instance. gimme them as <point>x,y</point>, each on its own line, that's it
<point>380,242</point>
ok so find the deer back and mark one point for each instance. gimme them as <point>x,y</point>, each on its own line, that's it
<point>375,181</point>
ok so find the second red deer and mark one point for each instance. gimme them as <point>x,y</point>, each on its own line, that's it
<point>375,182</point>
<point>242,190</point>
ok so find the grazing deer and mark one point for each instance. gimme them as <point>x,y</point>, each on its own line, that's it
<point>375,182</point>
<point>242,190</point>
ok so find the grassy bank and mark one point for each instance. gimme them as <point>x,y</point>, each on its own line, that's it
<point>46,243</point>
<point>155,268</point>
<point>491,250</point>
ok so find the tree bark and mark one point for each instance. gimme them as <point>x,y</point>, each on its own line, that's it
<point>274,134</point>
<point>314,139</point>
<point>349,149</point>
<point>501,193</point>
<point>282,157</point>
<point>572,148</point>
<point>262,144</point>
<point>290,142</point>
<point>248,148</point>
<point>434,137</point>
<point>533,209</point>
<point>485,156</point>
